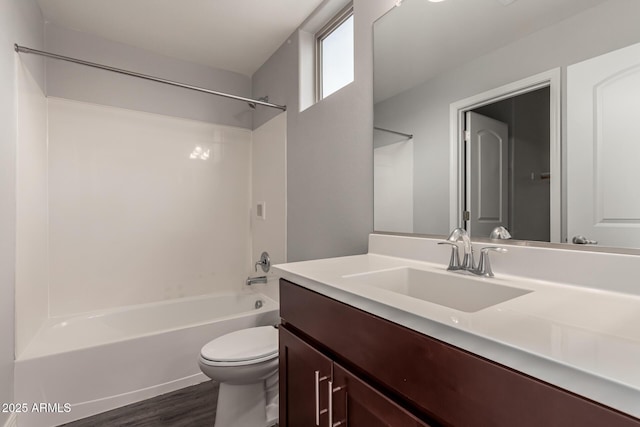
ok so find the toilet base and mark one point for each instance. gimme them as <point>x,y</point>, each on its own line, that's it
<point>241,406</point>
<point>272,414</point>
<point>271,387</point>
<point>248,405</point>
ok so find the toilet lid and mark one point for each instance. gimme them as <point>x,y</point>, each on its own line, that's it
<point>243,345</point>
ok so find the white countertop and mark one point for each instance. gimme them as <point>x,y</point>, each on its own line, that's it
<point>581,339</point>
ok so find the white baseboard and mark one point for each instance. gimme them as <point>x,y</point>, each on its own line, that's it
<point>12,421</point>
<point>87,409</point>
<point>90,408</point>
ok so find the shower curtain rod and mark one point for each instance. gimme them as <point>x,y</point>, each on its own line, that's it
<point>407,135</point>
<point>23,49</point>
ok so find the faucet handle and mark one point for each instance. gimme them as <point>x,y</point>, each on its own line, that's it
<point>454,262</point>
<point>484,264</point>
<point>264,262</point>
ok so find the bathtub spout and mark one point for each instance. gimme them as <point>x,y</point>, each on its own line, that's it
<point>254,280</point>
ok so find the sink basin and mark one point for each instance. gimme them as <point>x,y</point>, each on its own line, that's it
<point>453,290</point>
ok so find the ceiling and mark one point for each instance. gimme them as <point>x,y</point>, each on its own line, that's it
<point>442,36</point>
<point>234,35</point>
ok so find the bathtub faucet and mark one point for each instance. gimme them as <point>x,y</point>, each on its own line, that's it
<point>254,280</point>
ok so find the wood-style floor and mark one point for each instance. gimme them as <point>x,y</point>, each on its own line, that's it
<point>192,406</point>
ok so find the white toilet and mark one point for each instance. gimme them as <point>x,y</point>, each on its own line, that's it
<point>245,363</point>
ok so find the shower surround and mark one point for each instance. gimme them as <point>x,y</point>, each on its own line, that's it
<point>143,207</point>
<point>129,219</point>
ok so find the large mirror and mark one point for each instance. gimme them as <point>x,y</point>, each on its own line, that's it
<point>514,113</point>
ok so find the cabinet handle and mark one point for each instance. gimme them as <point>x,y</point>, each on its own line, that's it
<point>318,380</point>
<point>331,391</point>
<point>330,403</point>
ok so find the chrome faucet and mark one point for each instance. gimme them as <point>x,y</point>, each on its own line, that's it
<point>265,264</point>
<point>500,232</point>
<point>461,235</point>
<point>484,265</point>
<point>253,280</point>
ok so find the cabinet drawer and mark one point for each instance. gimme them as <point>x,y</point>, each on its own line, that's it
<point>443,382</point>
<point>362,405</point>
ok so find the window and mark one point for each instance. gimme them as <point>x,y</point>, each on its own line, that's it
<point>334,54</point>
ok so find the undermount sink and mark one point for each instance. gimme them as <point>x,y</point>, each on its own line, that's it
<point>453,290</point>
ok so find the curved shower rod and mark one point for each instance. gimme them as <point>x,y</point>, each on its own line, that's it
<point>251,102</point>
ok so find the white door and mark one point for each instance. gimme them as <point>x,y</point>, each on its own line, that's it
<point>603,148</point>
<point>487,159</point>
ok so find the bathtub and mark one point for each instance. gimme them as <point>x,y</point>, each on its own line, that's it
<point>85,364</point>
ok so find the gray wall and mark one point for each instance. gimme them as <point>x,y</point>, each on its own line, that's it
<point>531,198</point>
<point>424,110</point>
<point>71,81</point>
<point>20,22</point>
<point>329,148</point>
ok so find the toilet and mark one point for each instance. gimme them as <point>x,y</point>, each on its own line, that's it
<point>245,363</point>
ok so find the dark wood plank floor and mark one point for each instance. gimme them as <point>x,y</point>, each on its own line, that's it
<point>192,406</point>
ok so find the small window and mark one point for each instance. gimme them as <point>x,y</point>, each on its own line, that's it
<point>334,54</point>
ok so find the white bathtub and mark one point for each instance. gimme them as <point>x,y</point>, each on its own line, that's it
<point>102,360</point>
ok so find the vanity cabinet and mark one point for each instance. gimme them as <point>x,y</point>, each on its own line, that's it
<point>315,391</point>
<point>395,376</point>
<point>304,375</point>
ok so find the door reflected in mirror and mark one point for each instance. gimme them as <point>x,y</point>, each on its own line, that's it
<point>430,57</point>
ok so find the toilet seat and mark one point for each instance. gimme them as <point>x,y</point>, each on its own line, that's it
<point>243,347</point>
<point>237,363</point>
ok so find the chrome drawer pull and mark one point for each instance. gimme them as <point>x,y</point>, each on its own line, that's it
<point>331,391</point>
<point>318,411</point>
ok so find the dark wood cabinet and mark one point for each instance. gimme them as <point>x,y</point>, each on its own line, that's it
<point>397,377</point>
<point>314,391</point>
<point>361,405</point>
<point>304,378</point>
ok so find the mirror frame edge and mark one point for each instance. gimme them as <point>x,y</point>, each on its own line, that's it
<point>526,243</point>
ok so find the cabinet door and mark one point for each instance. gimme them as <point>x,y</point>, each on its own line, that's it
<point>356,404</point>
<point>304,379</point>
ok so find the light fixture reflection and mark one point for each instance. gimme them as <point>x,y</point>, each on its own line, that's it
<point>200,153</point>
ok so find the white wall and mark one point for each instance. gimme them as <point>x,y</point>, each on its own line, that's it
<point>424,110</point>
<point>20,22</point>
<point>393,187</point>
<point>329,148</point>
<point>31,284</point>
<point>72,81</point>
<point>133,218</point>
<point>269,185</point>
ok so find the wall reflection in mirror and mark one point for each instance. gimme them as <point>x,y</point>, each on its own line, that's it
<point>519,115</point>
